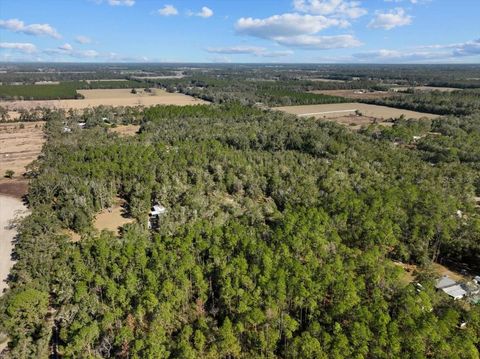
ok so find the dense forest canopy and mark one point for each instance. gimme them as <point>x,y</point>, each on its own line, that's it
<point>279,238</point>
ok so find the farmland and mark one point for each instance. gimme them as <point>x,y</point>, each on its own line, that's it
<point>342,109</point>
<point>355,94</point>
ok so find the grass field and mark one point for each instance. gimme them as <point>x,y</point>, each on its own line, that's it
<point>355,94</point>
<point>344,109</point>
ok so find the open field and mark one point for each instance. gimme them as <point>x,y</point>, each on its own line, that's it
<point>343,109</point>
<point>355,122</point>
<point>110,97</point>
<point>439,270</point>
<point>355,94</point>
<point>20,144</point>
<point>112,218</point>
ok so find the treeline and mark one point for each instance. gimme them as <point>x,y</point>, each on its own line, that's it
<point>277,242</point>
<point>459,103</point>
<point>63,90</point>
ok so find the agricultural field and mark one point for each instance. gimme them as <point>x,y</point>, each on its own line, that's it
<point>425,88</point>
<point>109,97</point>
<point>343,109</point>
<point>20,144</point>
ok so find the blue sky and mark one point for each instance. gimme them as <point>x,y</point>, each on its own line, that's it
<point>286,31</point>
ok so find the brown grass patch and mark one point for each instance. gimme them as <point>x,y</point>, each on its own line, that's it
<point>20,144</point>
<point>13,187</point>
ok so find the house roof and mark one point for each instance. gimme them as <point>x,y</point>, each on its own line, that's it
<point>157,209</point>
<point>445,282</point>
<point>455,291</point>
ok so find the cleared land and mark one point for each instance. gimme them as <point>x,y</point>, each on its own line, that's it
<point>356,94</point>
<point>112,218</point>
<point>125,130</point>
<point>110,97</point>
<point>20,144</point>
<point>332,111</point>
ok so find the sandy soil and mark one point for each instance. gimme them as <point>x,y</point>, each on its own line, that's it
<point>343,109</point>
<point>356,94</point>
<point>111,218</point>
<point>115,97</point>
<point>125,130</point>
<point>10,208</point>
<point>19,146</point>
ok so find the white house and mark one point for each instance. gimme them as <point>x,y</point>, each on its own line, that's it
<point>450,287</point>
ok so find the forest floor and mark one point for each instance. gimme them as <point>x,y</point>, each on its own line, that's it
<point>20,144</point>
<point>112,218</point>
<point>332,111</point>
<point>356,94</point>
<point>110,97</point>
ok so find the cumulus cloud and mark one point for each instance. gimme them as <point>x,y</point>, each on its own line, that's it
<point>205,12</point>
<point>83,39</point>
<point>336,8</point>
<point>168,10</point>
<point>297,30</point>
<point>121,2</point>
<point>390,19</point>
<point>19,26</point>
<point>25,47</point>
<point>248,50</point>
<point>66,47</point>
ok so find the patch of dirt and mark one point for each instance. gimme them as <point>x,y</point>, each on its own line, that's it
<point>15,187</point>
<point>112,218</point>
<point>20,144</point>
<point>125,130</point>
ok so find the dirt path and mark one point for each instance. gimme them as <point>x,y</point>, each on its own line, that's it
<point>10,208</point>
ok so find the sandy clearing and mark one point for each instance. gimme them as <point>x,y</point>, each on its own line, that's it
<point>125,130</point>
<point>112,218</point>
<point>20,144</point>
<point>10,208</point>
<point>341,109</point>
<point>115,97</point>
<point>356,94</point>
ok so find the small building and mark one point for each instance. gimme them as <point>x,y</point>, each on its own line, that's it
<point>455,291</point>
<point>157,210</point>
<point>153,217</point>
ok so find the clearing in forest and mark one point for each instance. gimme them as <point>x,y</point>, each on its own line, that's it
<point>20,144</point>
<point>332,111</point>
<point>125,130</point>
<point>112,218</point>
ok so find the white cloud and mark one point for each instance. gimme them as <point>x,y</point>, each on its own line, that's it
<point>168,10</point>
<point>285,25</point>
<point>205,12</point>
<point>83,39</point>
<point>249,50</point>
<point>297,30</point>
<point>16,25</point>
<point>391,19</point>
<point>320,42</point>
<point>25,47</point>
<point>336,8</point>
<point>66,47</point>
<point>121,2</point>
